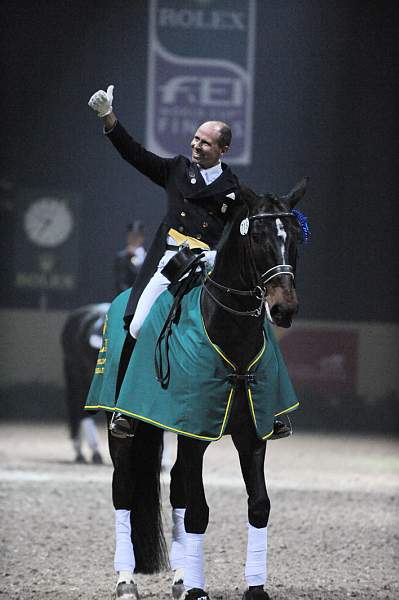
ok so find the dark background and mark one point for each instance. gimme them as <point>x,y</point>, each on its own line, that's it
<point>325,106</point>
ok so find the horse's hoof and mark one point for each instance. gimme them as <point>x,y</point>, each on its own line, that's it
<point>178,590</point>
<point>96,459</point>
<point>195,594</point>
<point>126,591</point>
<point>256,593</point>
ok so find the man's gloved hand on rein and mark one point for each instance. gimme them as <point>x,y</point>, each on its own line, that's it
<point>209,258</point>
<point>101,102</point>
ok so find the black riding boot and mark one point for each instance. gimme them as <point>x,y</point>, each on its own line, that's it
<point>280,430</point>
<point>122,426</point>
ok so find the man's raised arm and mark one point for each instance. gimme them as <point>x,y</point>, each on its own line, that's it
<point>148,163</point>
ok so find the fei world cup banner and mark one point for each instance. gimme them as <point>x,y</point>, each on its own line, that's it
<point>200,68</point>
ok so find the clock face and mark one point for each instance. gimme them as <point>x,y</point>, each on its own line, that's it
<point>48,222</point>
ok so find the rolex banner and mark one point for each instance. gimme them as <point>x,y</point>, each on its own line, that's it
<point>201,67</point>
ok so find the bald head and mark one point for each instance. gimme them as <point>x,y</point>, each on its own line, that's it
<point>210,142</point>
<point>224,132</point>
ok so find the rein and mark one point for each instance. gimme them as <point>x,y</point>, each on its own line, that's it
<point>260,290</point>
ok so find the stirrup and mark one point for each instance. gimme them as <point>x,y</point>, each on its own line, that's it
<point>122,426</point>
<point>281,430</point>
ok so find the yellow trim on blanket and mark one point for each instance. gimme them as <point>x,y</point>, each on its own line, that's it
<point>249,367</point>
<point>265,437</point>
<point>293,407</point>
<point>251,406</point>
<point>216,348</point>
<point>251,364</point>
<point>162,426</point>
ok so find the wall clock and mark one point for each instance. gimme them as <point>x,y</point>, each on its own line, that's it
<point>48,222</point>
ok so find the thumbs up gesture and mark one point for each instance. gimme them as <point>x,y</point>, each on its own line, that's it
<point>101,102</point>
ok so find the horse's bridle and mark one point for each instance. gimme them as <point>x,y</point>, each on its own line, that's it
<point>260,290</point>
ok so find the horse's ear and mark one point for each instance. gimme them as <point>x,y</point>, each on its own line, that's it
<point>297,193</point>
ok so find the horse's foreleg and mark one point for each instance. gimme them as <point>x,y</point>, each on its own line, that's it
<point>90,434</point>
<point>252,457</point>
<point>178,502</point>
<point>73,381</point>
<point>191,453</point>
<point>122,496</point>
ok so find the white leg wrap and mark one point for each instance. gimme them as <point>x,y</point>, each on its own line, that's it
<point>256,564</point>
<point>194,575</point>
<point>125,576</point>
<point>89,430</point>
<point>178,548</point>
<point>124,554</point>
<point>77,444</point>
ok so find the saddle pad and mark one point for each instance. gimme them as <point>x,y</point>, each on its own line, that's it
<point>102,389</point>
<point>199,397</point>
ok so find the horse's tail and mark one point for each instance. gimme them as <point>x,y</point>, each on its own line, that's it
<point>147,530</point>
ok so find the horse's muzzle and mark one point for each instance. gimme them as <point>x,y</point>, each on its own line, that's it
<point>282,313</point>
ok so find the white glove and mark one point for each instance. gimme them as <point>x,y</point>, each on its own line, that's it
<point>209,258</point>
<point>101,101</point>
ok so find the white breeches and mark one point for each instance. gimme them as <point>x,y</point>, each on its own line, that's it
<point>154,288</point>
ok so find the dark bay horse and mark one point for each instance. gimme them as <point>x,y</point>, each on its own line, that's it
<point>253,279</point>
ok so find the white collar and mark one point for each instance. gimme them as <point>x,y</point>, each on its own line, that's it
<point>212,170</point>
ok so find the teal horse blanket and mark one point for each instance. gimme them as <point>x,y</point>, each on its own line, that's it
<point>103,384</point>
<point>200,394</point>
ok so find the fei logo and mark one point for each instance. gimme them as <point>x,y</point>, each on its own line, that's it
<point>200,68</point>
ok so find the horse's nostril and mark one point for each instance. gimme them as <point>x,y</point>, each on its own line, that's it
<point>282,313</point>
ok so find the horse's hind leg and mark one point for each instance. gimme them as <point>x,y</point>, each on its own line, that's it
<point>136,498</point>
<point>122,496</point>
<point>251,453</point>
<point>178,502</point>
<point>190,463</point>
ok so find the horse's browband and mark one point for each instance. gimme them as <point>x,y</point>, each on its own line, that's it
<point>271,215</point>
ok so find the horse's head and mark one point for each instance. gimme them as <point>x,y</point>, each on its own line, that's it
<point>271,232</point>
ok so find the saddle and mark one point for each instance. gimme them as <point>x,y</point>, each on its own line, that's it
<point>182,263</point>
<point>182,271</point>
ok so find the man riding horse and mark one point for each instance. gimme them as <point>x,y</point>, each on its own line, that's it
<point>202,195</point>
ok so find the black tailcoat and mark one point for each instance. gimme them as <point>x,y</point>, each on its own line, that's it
<point>194,208</point>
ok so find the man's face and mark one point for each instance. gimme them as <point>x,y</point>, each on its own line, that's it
<point>134,240</point>
<point>205,150</point>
